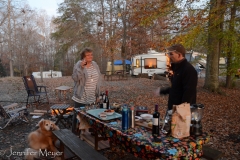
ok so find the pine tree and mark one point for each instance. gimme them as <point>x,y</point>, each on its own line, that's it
<point>2,70</point>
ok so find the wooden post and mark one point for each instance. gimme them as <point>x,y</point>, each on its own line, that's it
<point>41,73</point>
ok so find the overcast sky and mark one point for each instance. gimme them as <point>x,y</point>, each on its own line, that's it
<point>49,5</point>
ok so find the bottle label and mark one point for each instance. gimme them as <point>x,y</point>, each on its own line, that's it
<point>155,121</point>
<point>104,105</point>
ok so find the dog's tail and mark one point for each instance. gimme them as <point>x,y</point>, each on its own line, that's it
<point>30,154</point>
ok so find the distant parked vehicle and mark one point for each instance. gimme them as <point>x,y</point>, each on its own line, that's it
<point>151,63</point>
<point>47,74</point>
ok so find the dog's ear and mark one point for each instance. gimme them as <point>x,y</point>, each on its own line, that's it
<point>37,125</point>
<point>41,123</point>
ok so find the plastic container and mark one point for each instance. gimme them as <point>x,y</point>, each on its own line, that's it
<point>125,117</point>
<point>131,117</point>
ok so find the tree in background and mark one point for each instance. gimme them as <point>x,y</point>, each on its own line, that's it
<point>210,28</point>
<point>2,70</point>
<point>73,32</point>
<point>92,24</point>
<point>118,29</point>
<point>231,45</point>
<point>223,41</point>
<point>216,16</point>
<point>25,34</point>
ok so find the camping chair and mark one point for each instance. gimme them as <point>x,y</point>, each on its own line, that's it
<point>12,113</point>
<point>34,91</point>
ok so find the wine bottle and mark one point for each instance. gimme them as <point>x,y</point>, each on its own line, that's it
<point>106,101</point>
<point>155,126</point>
<point>101,100</point>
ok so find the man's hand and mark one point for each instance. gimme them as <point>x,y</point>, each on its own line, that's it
<point>157,91</point>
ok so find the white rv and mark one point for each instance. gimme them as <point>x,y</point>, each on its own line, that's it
<point>151,63</point>
<point>47,74</point>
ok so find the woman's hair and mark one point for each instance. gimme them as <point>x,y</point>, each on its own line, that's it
<point>84,51</point>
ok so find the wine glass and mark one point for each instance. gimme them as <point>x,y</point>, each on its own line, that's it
<point>94,106</point>
<point>87,106</point>
<point>91,106</point>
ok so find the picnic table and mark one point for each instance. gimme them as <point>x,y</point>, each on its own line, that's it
<point>120,74</point>
<point>140,142</point>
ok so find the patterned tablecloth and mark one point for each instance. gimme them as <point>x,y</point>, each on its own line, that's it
<point>140,142</point>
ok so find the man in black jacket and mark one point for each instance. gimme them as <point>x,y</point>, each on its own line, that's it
<point>183,81</point>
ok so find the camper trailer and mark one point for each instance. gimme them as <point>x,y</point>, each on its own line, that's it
<point>47,74</point>
<point>151,63</point>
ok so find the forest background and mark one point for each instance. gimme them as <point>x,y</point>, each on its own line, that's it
<point>118,29</point>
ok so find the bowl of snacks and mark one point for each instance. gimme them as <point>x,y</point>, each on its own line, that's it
<point>146,117</point>
<point>109,112</point>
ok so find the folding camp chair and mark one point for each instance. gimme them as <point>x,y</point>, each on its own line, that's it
<point>34,91</point>
<point>13,113</point>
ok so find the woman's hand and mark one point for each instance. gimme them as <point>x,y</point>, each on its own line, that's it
<point>83,63</point>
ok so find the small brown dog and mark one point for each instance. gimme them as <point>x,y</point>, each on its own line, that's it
<point>43,138</point>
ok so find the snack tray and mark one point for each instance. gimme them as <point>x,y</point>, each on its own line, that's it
<point>95,113</point>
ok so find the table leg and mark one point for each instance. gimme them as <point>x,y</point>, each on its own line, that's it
<point>62,150</point>
<point>110,144</point>
<point>74,123</point>
<point>56,94</point>
<point>60,117</point>
<point>64,95</point>
<point>60,95</point>
<point>70,93</point>
<point>96,140</point>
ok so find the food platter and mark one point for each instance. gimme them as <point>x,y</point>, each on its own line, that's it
<point>96,113</point>
<point>109,112</point>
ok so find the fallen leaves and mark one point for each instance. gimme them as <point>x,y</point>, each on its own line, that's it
<point>221,114</point>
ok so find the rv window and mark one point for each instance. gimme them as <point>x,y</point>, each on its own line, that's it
<point>137,63</point>
<point>150,63</point>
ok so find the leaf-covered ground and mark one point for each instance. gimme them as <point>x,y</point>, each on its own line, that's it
<point>221,114</point>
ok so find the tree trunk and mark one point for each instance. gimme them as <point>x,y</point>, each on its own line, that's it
<point>230,50</point>
<point>123,48</point>
<point>124,37</point>
<point>10,39</point>
<point>214,28</point>
<point>25,69</point>
<point>112,60</point>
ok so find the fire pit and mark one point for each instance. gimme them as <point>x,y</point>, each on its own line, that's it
<point>61,112</point>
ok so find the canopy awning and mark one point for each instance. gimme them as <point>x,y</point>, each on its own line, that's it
<point>119,62</point>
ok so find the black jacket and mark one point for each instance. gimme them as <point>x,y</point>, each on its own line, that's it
<point>183,84</point>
